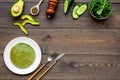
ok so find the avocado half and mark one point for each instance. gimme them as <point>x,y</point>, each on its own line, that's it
<point>17,8</point>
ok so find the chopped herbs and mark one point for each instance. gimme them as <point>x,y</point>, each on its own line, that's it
<point>100,8</point>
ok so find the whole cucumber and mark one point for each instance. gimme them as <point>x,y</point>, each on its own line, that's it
<point>67,5</point>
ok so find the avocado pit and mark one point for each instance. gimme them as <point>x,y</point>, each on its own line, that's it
<point>16,9</point>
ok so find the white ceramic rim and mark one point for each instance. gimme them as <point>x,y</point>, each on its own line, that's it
<point>15,69</point>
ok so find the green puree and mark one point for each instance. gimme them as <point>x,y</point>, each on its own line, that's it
<point>22,55</point>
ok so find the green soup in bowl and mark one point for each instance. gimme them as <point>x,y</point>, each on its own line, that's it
<point>100,9</point>
<point>22,55</point>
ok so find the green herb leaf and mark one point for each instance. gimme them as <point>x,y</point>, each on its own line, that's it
<point>100,8</point>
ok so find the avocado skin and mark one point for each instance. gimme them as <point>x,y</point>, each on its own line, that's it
<point>20,5</point>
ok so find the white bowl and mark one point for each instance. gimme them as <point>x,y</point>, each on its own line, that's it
<point>32,67</point>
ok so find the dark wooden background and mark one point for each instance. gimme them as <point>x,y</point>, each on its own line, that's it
<point>92,47</point>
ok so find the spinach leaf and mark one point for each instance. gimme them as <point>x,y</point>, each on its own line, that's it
<point>101,8</point>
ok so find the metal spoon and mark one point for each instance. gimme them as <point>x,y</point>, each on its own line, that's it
<point>35,9</point>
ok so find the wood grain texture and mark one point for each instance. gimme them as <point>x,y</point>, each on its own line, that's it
<point>92,47</point>
<point>61,21</point>
<point>77,67</point>
<point>114,1</point>
<point>70,41</point>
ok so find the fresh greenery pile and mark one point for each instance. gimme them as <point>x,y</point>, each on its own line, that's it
<point>100,8</point>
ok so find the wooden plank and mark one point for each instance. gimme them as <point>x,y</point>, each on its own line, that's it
<point>92,47</point>
<point>114,1</point>
<point>61,21</point>
<point>77,41</point>
<point>71,67</point>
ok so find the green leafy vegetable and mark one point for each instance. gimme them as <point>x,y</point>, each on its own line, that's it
<point>100,8</point>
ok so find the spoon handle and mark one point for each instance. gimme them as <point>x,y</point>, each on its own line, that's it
<point>40,2</point>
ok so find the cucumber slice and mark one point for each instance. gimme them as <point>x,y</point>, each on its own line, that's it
<point>82,9</point>
<point>67,5</point>
<point>74,12</point>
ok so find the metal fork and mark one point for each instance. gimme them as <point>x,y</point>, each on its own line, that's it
<point>49,59</point>
<point>54,62</point>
